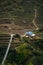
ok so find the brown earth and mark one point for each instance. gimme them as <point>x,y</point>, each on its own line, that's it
<point>11,26</point>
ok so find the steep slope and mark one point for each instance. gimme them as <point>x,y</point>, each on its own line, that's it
<point>21,12</point>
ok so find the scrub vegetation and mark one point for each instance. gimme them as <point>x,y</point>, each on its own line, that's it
<point>29,52</point>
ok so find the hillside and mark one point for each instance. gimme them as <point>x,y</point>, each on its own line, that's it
<point>21,13</point>
<point>16,18</point>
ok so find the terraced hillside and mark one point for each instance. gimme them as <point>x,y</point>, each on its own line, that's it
<point>19,16</point>
<point>21,13</point>
<point>5,38</point>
